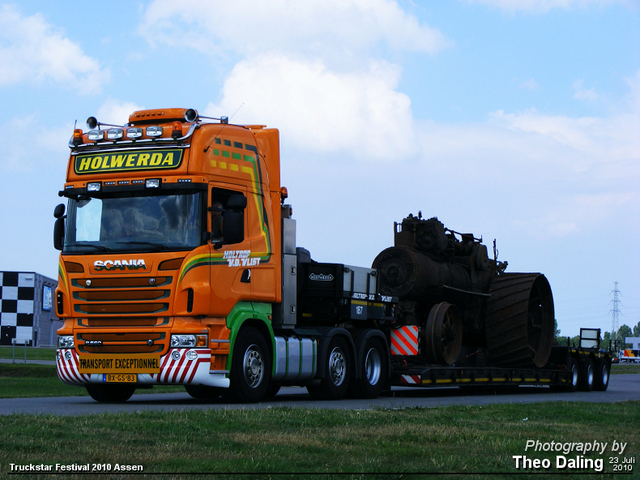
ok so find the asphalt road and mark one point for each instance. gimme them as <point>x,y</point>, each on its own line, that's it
<point>621,388</point>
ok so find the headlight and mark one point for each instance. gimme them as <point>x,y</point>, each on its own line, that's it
<point>65,341</point>
<point>187,341</point>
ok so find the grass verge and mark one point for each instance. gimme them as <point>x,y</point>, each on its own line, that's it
<point>33,353</point>
<point>621,368</point>
<point>477,442</point>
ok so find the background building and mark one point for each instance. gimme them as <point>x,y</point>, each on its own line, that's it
<point>27,312</point>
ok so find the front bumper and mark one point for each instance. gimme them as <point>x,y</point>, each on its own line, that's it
<point>175,369</point>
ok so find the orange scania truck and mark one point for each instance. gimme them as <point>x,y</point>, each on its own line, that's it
<point>179,266</point>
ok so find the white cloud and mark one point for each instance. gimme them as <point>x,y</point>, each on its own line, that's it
<point>567,173</point>
<point>546,5</point>
<point>322,110</point>
<point>530,85</point>
<point>116,112</point>
<point>311,68</point>
<point>583,93</point>
<point>634,92</point>
<point>337,30</point>
<point>22,136</point>
<point>32,50</point>
<point>595,138</point>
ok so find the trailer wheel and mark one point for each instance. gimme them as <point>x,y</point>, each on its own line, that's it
<point>601,375</point>
<point>110,393</point>
<point>586,376</point>
<point>202,391</point>
<point>373,371</point>
<point>572,386</point>
<point>250,368</point>
<point>338,365</point>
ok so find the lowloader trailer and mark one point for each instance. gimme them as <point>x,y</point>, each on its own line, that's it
<point>179,266</point>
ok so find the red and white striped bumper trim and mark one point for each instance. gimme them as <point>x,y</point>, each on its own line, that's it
<point>67,367</point>
<point>180,366</point>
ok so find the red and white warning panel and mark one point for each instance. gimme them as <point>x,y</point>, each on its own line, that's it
<point>404,340</point>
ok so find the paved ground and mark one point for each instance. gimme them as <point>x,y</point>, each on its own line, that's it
<point>621,388</point>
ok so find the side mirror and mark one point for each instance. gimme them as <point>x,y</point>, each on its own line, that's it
<point>58,234</point>
<point>58,227</point>
<point>58,212</point>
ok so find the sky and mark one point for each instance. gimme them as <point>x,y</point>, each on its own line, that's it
<point>514,120</point>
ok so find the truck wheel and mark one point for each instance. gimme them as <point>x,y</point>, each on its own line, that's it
<point>586,376</point>
<point>202,391</point>
<point>338,372</point>
<point>250,367</point>
<point>110,393</point>
<point>572,386</point>
<point>373,371</point>
<point>601,375</point>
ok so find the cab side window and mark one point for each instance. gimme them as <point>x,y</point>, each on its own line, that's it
<point>227,216</point>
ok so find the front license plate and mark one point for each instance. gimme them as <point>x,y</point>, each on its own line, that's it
<point>120,377</point>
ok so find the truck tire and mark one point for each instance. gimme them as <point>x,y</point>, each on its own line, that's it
<point>338,366</point>
<point>601,375</point>
<point>110,393</point>
<point>373,370</point>
<point>250,367</point>
<point>202,391</point>
<point>572,386</point>
<point>586,376</point>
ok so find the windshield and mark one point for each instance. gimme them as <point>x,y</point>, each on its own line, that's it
<point>134,223</point>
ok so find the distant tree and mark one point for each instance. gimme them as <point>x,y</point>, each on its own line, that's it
<point>574,341</point>
<point>557,330</point>
<point>636,330</point>
<point>606,342</point>
<point>624,331</point>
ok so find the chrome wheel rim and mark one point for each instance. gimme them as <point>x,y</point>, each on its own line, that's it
<point>253,366</point>
<point>337,366</point>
